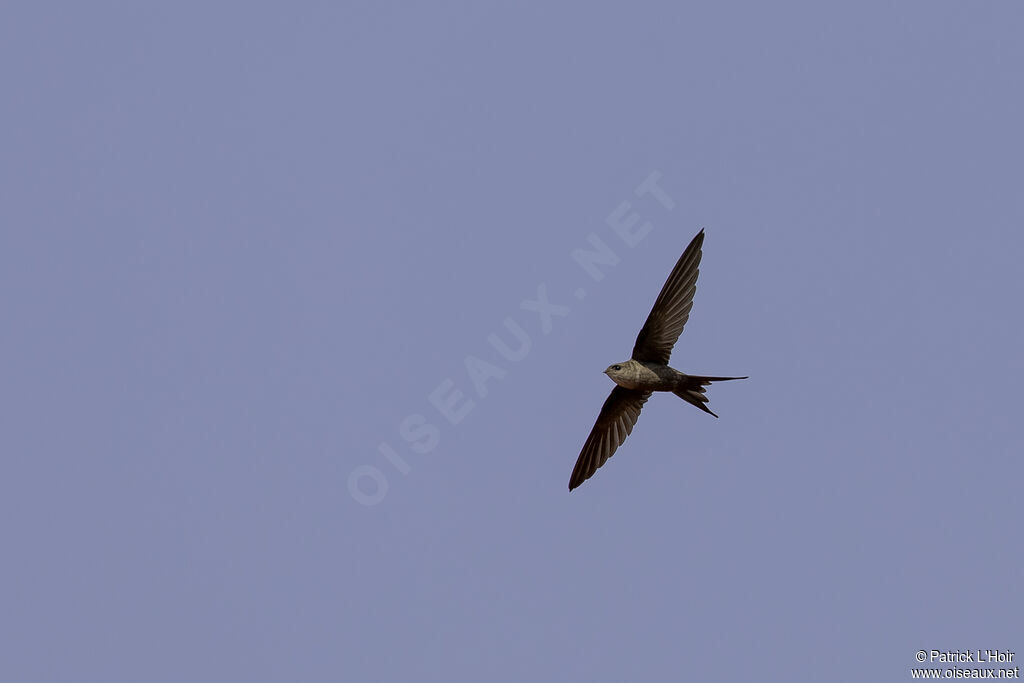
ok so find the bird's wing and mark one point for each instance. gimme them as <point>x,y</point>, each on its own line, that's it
<point>672,309</point>
<point>618,415</point>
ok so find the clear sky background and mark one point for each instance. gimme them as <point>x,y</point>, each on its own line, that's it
<point>241,244</point>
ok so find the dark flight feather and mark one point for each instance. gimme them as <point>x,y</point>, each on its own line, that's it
<point>671,309</point>
<point>615,422</point>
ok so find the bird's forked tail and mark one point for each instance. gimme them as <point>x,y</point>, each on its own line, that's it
<point>690,388</point>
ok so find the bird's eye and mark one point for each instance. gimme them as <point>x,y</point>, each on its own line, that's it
<point>616,367</point>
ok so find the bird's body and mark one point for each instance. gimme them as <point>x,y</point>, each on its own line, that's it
<point>633,374</point>
<point>647,370</point>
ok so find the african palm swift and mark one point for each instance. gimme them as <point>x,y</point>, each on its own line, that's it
<point>648,371</point>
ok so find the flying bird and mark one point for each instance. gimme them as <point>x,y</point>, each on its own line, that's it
<point>647,370</point>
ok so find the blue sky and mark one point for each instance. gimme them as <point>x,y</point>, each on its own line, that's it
<point>244,246</point>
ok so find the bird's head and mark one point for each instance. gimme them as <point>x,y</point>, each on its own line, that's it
<point>619,370</point>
